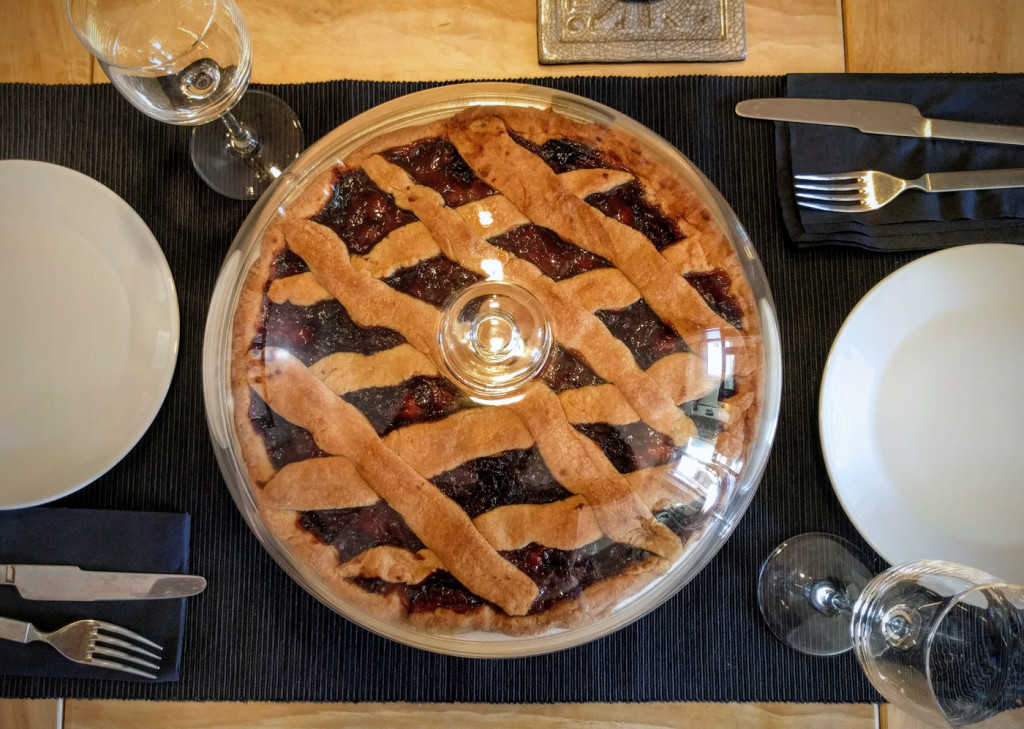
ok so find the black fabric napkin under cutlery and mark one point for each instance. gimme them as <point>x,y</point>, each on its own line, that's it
<point>127,541</point>
<point>915,220</point>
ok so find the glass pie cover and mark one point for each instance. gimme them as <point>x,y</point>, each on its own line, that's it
<point>492,370</point>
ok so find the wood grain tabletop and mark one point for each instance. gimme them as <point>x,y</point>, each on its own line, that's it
<point>382,40</point>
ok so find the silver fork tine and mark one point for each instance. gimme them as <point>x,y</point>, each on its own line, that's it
<point>863,190</point>
<point>114,666</point>
<point>107,640</point>
<point>104,652</point>
<point>111,628</point>
<point>854,185</point>
<point>829,208</point>
<point>830,176</point>
<point>836,197</point>
<point>836,187</point>
<point>101,650</point>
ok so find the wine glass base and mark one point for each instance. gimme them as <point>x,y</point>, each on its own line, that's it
<point>245,176</point>
<point>806,590</point>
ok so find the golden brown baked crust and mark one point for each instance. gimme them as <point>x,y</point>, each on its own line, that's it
<point>600,507</point>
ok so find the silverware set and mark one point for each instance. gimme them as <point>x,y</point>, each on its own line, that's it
<point>865,190</point>
<point>94,642</point>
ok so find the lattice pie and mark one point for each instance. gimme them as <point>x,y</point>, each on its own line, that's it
<point>421,505</point>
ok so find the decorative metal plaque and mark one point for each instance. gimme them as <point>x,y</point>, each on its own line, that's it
<point>616,31</point>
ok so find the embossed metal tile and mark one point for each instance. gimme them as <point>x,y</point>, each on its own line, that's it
<point>612,31</point>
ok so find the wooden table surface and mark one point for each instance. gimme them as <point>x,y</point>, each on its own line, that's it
<point>316,40</point>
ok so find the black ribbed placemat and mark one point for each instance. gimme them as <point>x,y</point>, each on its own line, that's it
<point>255,635</point>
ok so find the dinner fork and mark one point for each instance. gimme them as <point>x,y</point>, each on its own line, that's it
<point>92,642</point>
<point>864,190</point>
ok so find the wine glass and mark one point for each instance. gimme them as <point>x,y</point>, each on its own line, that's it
<point>942,641</point>
<point>188,62</point>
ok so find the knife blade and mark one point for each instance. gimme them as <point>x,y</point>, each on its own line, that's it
<point>66,582</point>
<point>876,117</point>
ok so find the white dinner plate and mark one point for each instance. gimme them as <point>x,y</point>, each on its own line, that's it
<point>88,330</point>
<point>922,411</point>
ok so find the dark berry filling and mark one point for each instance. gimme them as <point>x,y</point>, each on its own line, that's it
<point>285,442</point>
<point>560,575</point>
<point>287,263</point>
<point>640,329</point>
<point>439,591</point>
<point>566,155</point>
<point>435,163</point>
<point>416,400</point>
<point>311,333</point>
<point>360,212</point>
<point>630,447</point>
<point>714,287</point>
<point>432,280</point>
<point>353,531</point>
<point>564,574</point>
<point>627,204</point>
<point>565,370</point>
<point>556,258</point>
<point>512,477</point>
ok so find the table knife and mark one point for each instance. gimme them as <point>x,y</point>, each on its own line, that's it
<point>65,582</point>
<point>876,117</point>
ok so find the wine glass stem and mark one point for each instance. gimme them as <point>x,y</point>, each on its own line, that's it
<point>900,624</point>
<point>240,138</point>
<point>830,600</point>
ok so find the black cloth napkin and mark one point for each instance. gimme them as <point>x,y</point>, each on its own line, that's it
<point>914,220</point>
<point>128,541</point>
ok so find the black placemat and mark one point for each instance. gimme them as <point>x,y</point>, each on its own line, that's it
<point>255,635</point>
